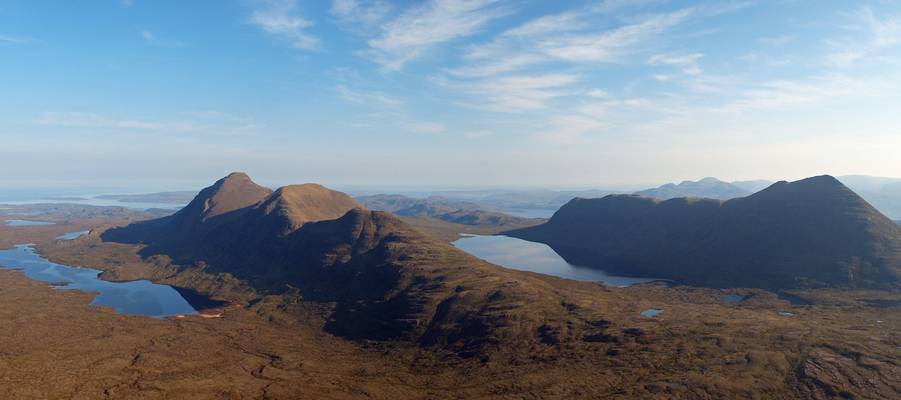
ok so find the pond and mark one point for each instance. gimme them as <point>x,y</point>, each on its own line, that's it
<point>22,222</point>
<point>651,312</point>
<point>523,255</point>
<point>136,297</point>
<point>72,235</point>
<point>733,298</point>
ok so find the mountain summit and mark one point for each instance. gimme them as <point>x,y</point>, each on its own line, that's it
<point>813,232</point>
<point>228,194</point>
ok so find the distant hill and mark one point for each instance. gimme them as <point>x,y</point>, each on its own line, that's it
<point>447,210</point>
<point>710,188</point>
<point>181,197</point>
<point>445,218</point>
<point>813,232</point>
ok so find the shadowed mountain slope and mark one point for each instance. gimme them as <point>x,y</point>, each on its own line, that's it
<point>386,279</point>
<point>813,232</point>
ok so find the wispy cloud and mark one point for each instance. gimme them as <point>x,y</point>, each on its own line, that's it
<point>876,33</point>
<point>88,120</point>
<point>356,14</point>
<point>15,39</point>
<point>424,127</point>
<point>280,18</point>
<point>151,39</point>
<point>515,93</point>
<point>785,93</point>
<point>423,27</point>
<point>687,63</point>
<point>499,75</point>
<point>572,37</point>
<point>195,122</point>
<point>367,98</point>
<point>569,128</point>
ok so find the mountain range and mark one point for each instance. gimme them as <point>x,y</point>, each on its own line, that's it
<point>707,188</point>
<point>882,193</point>
<point>308,259</point>
<point>424,212</point>
<point>810,233</point>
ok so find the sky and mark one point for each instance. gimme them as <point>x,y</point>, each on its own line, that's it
<point>447,93</point>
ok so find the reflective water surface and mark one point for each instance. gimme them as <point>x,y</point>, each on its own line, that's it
<point>536,257</point>
<point>136,297</point>
<point>72,235</point>
<point>651,312</point>
<point>22,222</point>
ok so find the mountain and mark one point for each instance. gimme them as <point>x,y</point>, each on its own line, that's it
<point>711,188</point>
<point>813,232</point>
<point>538,203</point>
<point>329,299</point>
<point>396,203</point>
<point>387,280</point>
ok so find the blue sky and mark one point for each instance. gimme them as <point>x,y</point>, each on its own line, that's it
<point>448,92</point>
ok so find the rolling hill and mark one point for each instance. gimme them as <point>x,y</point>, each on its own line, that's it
<point>809,233</point>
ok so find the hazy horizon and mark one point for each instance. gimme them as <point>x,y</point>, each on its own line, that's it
<point>465,94</point>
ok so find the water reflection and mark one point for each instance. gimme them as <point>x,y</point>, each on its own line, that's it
<point>536,257</point>
<point>136,297</point>
<point>22,222</point>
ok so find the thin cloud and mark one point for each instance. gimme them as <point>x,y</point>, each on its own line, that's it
<point>516,93</point>
<point>423,127</point>
<point>197,122</point>
<point>687,63</point>
<point>877,34</point>
<point>356,14</point>
<point>279,18</point>
<point>88,120</point>
<point>15,39</point>
<point>152,40</point>
<point>570,37</point>
<point>366,98</point>
<point>424,27</point>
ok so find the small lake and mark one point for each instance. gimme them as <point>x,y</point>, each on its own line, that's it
<point>22,222</point>
<point>734,298</point>
<point>523,255</point>
<point>136,297</point>
<point>72,235</point>
<point>651,312</point>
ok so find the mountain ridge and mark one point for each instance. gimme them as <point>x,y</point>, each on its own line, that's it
<point>813,232</point>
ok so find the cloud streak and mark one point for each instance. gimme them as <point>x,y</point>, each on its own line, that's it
<point>877,34</point>
<point>279,18</point>
<point>421,28</point>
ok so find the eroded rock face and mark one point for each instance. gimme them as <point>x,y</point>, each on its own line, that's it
<point>827,374</point>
